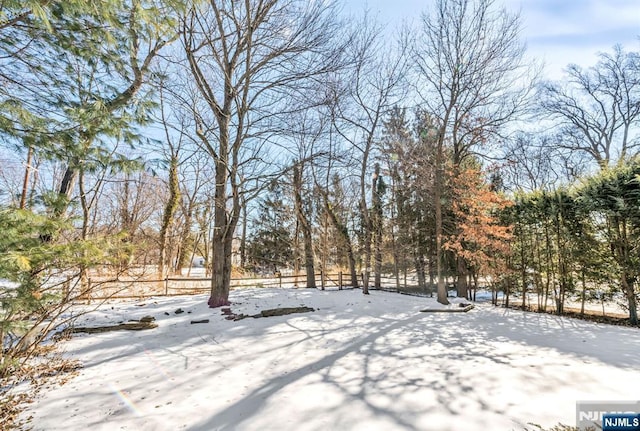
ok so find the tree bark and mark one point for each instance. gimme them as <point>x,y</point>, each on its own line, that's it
<point>304,227</point>
<point>168,214</point>
<point>243,237</point>
<point>223,227</point>
<point>27,175</point>
<point>462,285</point>
<point>420,272</point>
<point>629,291</point>
<point>376,199</point>
<point>621,250</point>
<point>438,185</point>
<point>344,234</point>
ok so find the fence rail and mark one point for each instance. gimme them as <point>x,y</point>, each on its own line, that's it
<point>101,289</point>
<point>129,288</point>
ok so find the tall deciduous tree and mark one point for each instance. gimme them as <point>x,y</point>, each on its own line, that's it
<point>469,61</point>
<point>378,189</point>
<point>250,61</point>
<point>373,88</point>
<point>304,225</point>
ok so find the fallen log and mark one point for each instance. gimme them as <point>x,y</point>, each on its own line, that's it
<point>130,326</point>
<point>194,322</point>
<point>269,313</point>
<point>448,310</point>
<point>283,311</point>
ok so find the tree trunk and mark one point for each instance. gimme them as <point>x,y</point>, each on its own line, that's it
<point>324,251</point>
<point>297,258</point>
<point>344,234</point>
<point>378,259</point>
<point>366,220</point>
<point>64,192</point>
<point>432,276</point>
<point>396,258</point>
<point>376,199</point>
<point>629,291</point>
<point>309,264</point>
<point>243,238</point>
<point>221,274</point>
<point>475,284</point>
<point>420,272</point>
<point>583,294</point>
<point>506,282</point>
<point>68,181</point>
<point>304,227</point>
<point>167,216</point>
<point>523,268</point>
<point>182,258</point>
<point>83,270</point>
<point>562,268</point>
<point>442,291</point>
<point>547,287</point>
<point>622,253</point>
<point>223,227</point>
<point>25,184</point>
<point>462,285</point>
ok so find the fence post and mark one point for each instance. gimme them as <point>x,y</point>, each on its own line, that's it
<point>166,285</point>
<point>340,280</point>
<point>88,293</point>
<point>280,279</point>
<point>322,279</point>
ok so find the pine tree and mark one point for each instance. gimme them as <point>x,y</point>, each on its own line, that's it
<point>38,280</point>
<point>82,66</point>
<point>271,242</point>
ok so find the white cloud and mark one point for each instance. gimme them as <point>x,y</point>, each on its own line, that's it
<point>557,31</point>
<point>572,31</point>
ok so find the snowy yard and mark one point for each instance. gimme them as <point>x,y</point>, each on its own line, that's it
<point>356,363</point>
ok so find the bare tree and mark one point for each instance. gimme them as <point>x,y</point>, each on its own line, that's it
<point>597,108</point>
<point>304,226</point>
<point>373,88</point>
<point>378,189</point>
<point>170,208</point>
<point>534,161</point>
<point>307,130</point>
<point>472,79</point>
<point>248,61</point>
<point>337,220</point>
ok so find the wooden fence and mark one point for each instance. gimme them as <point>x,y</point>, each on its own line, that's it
<point>139,287</point>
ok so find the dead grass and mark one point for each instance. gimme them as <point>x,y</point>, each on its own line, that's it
<point>45,370</point>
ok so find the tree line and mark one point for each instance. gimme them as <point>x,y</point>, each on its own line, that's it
<point>273,134</point>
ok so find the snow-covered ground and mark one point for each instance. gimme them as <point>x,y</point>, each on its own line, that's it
<point>356,363</point>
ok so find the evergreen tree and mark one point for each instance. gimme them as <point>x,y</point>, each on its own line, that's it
<point>271,243</point>
<point>613,200</point>
<point>81,67</point>
<point>39,280</point>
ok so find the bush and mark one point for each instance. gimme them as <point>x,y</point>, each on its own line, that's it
<point>40,276</point>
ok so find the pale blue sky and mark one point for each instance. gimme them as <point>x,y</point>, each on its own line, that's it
<point>556,31</point>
